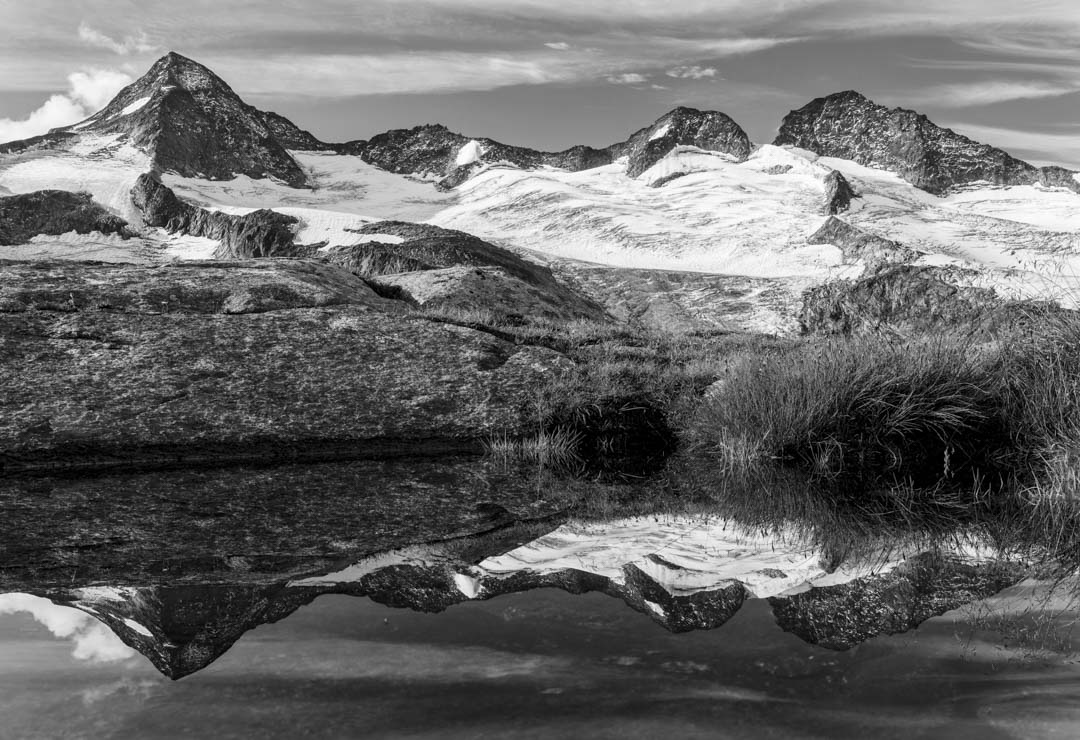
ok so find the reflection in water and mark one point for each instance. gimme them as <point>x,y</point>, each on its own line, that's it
<point>541,664</point>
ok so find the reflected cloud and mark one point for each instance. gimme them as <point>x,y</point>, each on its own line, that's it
<point>93,641</point>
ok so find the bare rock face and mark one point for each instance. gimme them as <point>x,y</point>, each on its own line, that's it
<point>246,370</point>
<point>848,125</point>
<point>838,194</point>
<point>843,616</point>
<point>444,268</point>
<point>857,244</point>
<point>710,130</point>
<point>54,212</point>
<point>895,298</point>
<point>252,286</point>
<point>491,289</point>
<point>192,123</point>
<point>262,233</point>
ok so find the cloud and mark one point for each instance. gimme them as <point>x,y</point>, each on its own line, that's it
<point>88,92</point>
<point>129,45</point>
<point>93,640</point>
<point>963,95</point>
<point>628,78</point>
<point>1041,148</point>
<point>557,45</point>
<point>692,72</point>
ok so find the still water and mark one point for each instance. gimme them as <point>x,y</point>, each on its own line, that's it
<point>539,664</point>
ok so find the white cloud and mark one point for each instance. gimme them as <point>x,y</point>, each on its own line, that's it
<point>93,640</point>
<point>628,78</point>
<point>88,92</point>
<point>557,45</point>
<point>963,95</point>
<point>693,72</point>
<point>1041,148</point>
<point>128,45</point>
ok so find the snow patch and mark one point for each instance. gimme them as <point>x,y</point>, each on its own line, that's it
<point>661,132</point>
<point>132,624</point>
<point>135,106</point>
<point>467,585</point>
<point>414,556</point>
<point>470,152</point>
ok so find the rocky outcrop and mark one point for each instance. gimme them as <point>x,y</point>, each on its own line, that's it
<point>904,299</point>
<point>848,125</point>
<point>54,212</point>
<point>709,130</point>
<point>434,151</point>
<point>87,386</point>
<point>838,194</point>
<point>189,121</point>
<point>856,244</point>
<point>445,269</point>
<point>252,286</point>
<point>490,290</point>
<point>261,233</point>
<point>843,616</point>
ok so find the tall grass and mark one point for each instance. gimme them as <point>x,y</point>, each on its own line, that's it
<point>869,438</point>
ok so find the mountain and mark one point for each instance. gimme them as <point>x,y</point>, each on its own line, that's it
<point>189,121</point>
<point>848,125</point>
<point>434,150</point>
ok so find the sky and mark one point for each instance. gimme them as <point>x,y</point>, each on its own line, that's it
<point>553,74</point>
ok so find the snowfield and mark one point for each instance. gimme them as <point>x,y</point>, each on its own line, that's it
<point>694,210</point>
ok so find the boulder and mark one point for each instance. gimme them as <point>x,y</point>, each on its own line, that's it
<point>857,244</point>
<point>838,194</point>
<point>223,378</point>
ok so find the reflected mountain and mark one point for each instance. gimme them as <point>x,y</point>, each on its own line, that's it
<point>685,574</point>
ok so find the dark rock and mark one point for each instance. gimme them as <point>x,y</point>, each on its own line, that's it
<point>842,616</point>
<point>838,194</point>
<point>432,150</point>
<point>252,286</point>
<point>857,244</point>
<point>850,126</point>
<point>54,212</point>
<point>491,289</point>
<point>710,130</point>
<point>192,123</point>
<point>122,388</point>
<point>262,233</point>
<point>902,298</point>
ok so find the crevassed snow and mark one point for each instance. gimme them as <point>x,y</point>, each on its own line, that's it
<point>343,183</point>
<point>470,152</point>
<point>661,132</point>
<point>103,166</point>
<point>135,106</point>
<point>683,555</point>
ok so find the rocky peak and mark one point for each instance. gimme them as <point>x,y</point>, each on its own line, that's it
<point>848,125</point>
<point>710,130</point>
<point>191,122</point>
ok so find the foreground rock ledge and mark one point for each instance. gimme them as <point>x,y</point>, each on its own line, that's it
<point>239,361</point>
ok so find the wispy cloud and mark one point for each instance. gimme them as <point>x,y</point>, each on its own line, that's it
<point>93,641</point>
<point>694,72</point>
<point>629,78</point>
<point>964,95</point>
<point>88,91</point>
<point>557,45</point>
<point>1038,147</point>
<point>138,44</point>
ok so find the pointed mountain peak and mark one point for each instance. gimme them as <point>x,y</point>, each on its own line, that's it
<point>179,71</point>
<point>192,123</point>
<point>848,125</point>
